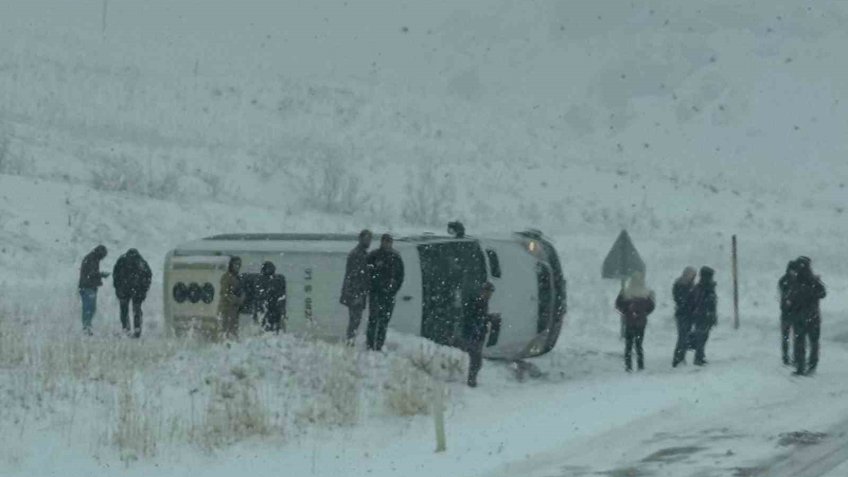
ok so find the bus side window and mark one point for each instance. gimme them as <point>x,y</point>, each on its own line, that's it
<point>494,263</point>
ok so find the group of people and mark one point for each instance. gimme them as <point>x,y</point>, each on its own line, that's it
<point>267,292</point>
<point>371,279</point>
<point>131,278</point>
<point>800,314</point>
<point>374,278</point>
<point>696,301</point>
<point>695,312</point>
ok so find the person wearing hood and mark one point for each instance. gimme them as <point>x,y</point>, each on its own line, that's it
<point>131,278</point>
<point>704,315</point>
<point>272,293</point>
<point>356,283</point>
<point>803,304</point>
<point>91,278</point>
<point>231,299</point>
<point>785,285</point>
<point>635,303</point>
<point>682,293</point>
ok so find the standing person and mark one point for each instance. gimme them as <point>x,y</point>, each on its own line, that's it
<point>804,297</point>
<point>91,278</point>
<point>476,319</point>
<point>273,296</point>
<point>131,278</point>
<point>704,316</point>
<point>231,299</point>
<point>786,283</point>
<point>386,276</point>
<point>635,303</point>
<point>356,283</point>
<point>682,293</point>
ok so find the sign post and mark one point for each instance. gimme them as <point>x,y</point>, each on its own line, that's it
<point>439,418</point>
<point>735,260</point>
<point>622,262</point>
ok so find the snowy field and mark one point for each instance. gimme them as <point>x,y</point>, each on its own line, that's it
<point>164,121</point>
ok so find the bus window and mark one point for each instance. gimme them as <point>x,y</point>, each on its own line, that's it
<point>494,263</point>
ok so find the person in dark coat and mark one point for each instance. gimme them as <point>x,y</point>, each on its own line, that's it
<point>231,299</point>
<point>635,303</point>
<point>704,314</point>
<point>131,278</point>
<point>786,283</point>
<point>682,293</point>
<point>91,278</point>
<point>803,304</point>
<point>356,284</point>
<point>386,276</point>
<point>272,296</point>
<point>476,320</point>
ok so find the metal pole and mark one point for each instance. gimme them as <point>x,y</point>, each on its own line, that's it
<point>104,15</point>
<point>621,317</point>
<point>735,286</point>
<point>439,417</point>
<point>625,271</point>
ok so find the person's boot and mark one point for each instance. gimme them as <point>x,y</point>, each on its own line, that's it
<point>640,363</point>
<point>787,361</point>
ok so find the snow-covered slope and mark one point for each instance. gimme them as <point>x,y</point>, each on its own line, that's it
<point>685,122</point>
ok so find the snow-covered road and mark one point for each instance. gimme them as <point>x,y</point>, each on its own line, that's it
<point>743,415</point>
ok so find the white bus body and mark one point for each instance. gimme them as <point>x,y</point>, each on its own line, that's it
<point>440,272</point>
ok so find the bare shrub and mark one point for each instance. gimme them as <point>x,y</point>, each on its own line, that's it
<point>128,174</point>
<point>13,347</point>
<point>439,362</point>
<point>5,145</point>
<point>134,434</point>
<point>337,397</point>
<point>334,188</point>
<point>409,391</point>
<point>429,199</point>
<point>234,413</point>
<point>10,164</point>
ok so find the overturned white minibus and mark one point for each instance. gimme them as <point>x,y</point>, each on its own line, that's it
<point>441,273</point>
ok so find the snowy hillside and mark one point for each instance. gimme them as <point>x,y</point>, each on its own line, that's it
<point>150,123</point>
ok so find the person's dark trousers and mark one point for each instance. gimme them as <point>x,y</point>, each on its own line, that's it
<point>800,345</point>
<point>702,335</point>
<point>474,348</point>
<point>633,336</point>
<point>380,310</point>
<point>137,315</point>
<point>89,307</point>
<point>355,313</point>
<point>684,329</point>
<point>274,322</point>
<point>805,329</point>
<point>814,333</point>
<point>785,336</point>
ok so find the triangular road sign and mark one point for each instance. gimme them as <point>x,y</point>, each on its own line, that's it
<point>623,260</point>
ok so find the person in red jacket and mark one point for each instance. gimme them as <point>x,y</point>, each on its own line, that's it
<point>635,303</point>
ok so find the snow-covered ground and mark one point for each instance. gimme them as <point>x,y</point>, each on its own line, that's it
<point>684,122</point>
